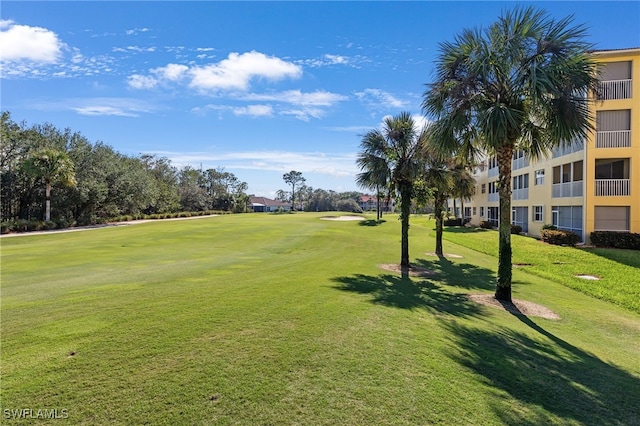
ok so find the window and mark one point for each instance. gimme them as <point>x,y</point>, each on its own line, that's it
<point>467,212</point>
<point>612,218</point>
<point>493,187</point>
<point>521,181</point>
<point>568,218</point>
<point>474,211</point>
<point>540,177</point>
<point>613,168</point>
<point>481,211</point>
<point>538,213</point>
<point>519,217</point>
<point>494,216</point>
<point>493,162</point>
<point>484,188</point>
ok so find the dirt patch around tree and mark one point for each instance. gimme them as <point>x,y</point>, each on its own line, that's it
<point>449,255</point>
<point>518,307</point>
<point>414,271</point>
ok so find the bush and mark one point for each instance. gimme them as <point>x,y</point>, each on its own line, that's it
<point>516,229</point>
<point>549,226</point>
<point>621,240</point>
<point>560,237</point>
<point>485,224</point>
<point>453,222</point>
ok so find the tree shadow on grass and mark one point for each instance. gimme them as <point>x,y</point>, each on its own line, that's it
<point>461,275</point>
<point>404,293</point>
<point>371,222</point>
<point>625,257</point>
<point>553,381</point>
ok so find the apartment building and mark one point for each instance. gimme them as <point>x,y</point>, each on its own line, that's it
<point>592,185</point>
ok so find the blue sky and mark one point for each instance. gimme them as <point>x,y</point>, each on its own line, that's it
<point>258,88</point>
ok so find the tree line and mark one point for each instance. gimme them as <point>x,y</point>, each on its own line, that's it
<point>59,176</point>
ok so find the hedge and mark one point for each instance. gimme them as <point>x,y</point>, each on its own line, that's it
<point>560,237</point>
<point>622,240</point>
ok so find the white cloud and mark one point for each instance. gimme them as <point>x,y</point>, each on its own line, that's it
<point>123,107</point>
<point>171,72</point>
<point>237,71</point>
<point>135,31</point>
<point>103,110</point>
<point>379,99</point>
<point>138,81</point>
<point>296,97</point>
<point>22,42</point>
<point>335,165</point>
<point>254,110</point>
<point>304,114</point>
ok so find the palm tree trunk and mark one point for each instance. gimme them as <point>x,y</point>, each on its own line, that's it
<point>47,203</point>
<point>503,288</point>
<point>438,211</point>
<point>405,209</point>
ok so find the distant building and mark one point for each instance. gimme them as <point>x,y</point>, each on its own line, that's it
<point>370,202</point>
<point>592,185</point>
<point>264,204</point>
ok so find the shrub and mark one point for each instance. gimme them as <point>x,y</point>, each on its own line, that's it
<point>560,237</point>
<point>485,224</point>
<point>621,240</point>
<point>453,222</point>
<point>516,229</point>
<point>549,226</point>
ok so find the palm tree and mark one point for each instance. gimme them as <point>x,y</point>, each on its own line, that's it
<point>464,186</point>
<point>376,176</point>
<point>522,83</point>
<point>52,167</point>
<point>394,152</point>
<point>443,177</point>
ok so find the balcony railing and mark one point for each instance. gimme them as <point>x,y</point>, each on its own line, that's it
<point>575,146</point>
<point>613,187</point>
<point>567,189</point>
<point>520,194</point>
<point>614,89</point>
<point>492,172</point>
<point>613,139</point>
<point>519,163</point>
<point>493,197</point>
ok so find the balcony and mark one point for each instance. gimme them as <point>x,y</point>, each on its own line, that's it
<point>519,163</point>
<point>575,146</point>
<point>613,187</point>
<point>613,139</point>
<point>493,197</point>
<point>493,172</point>
<point>520,194</point>
<point>567,189</point>
<point>614,89</point>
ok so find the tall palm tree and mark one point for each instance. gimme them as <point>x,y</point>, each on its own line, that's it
<point>394,151</point>
<point>51,166</point>
<point>521,83</point>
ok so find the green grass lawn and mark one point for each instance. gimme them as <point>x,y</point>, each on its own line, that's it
<point>287,320</point>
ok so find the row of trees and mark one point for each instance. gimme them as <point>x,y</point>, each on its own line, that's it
<point>523,83</point>
<point>58,175</point>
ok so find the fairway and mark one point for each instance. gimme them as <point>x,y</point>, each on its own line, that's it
<point>261,319</point>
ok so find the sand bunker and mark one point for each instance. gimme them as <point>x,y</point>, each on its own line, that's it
<point>342,218</point>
